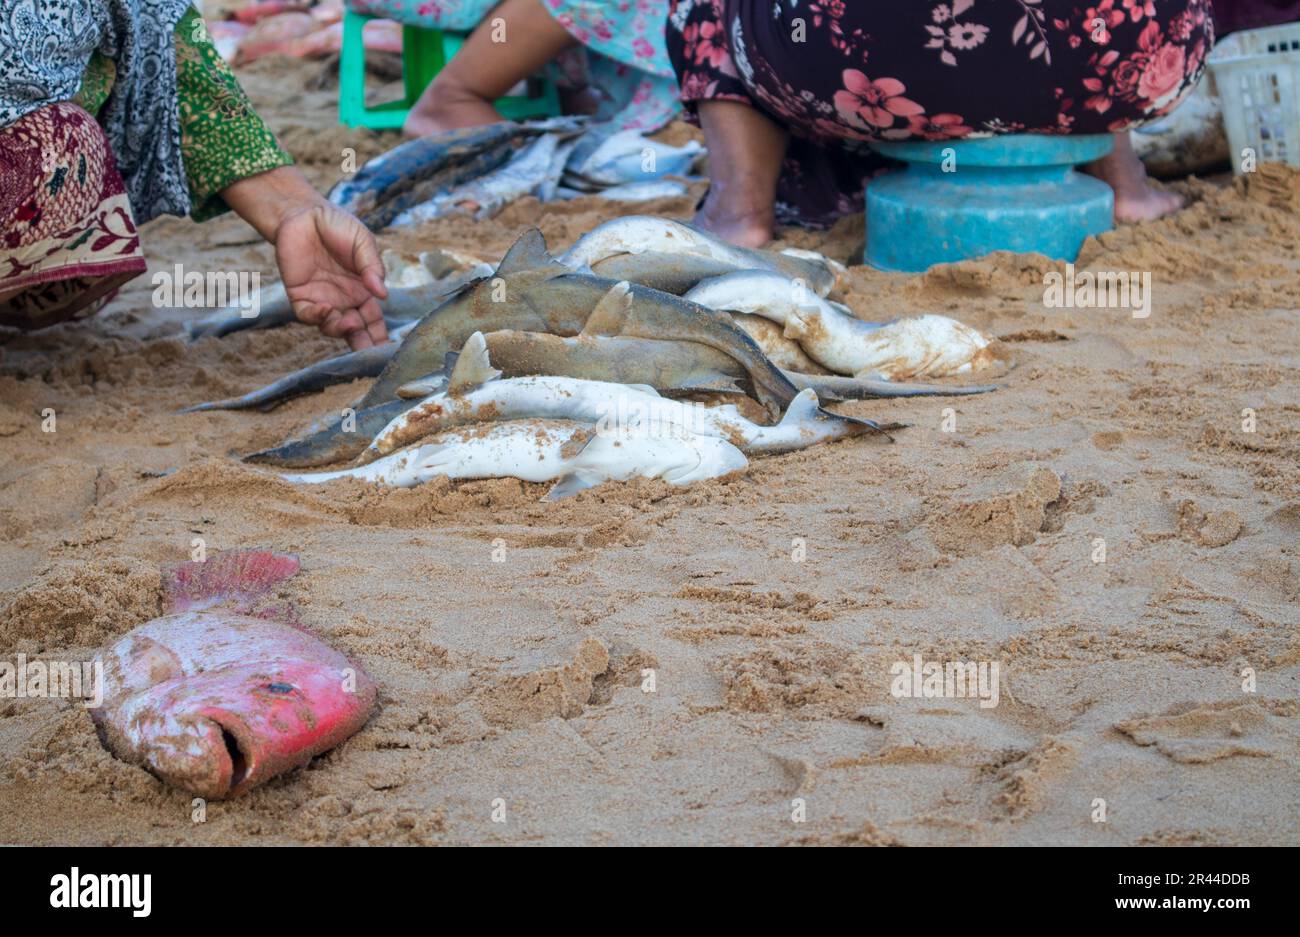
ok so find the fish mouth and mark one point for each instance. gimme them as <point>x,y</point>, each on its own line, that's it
<point>239,764</point>
<point>239,752</point>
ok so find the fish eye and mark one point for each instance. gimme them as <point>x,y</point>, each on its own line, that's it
<point>280,687</point>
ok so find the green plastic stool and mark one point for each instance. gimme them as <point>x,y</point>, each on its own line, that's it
<point>425,52</point>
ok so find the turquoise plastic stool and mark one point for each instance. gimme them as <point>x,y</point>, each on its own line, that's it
<point>425,52</point>
<point>955,200</point>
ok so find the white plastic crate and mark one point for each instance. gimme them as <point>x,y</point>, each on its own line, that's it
<point>1257,73</point>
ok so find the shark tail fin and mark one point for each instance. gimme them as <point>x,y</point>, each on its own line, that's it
<point>473,369</point>
<point>868,426</point>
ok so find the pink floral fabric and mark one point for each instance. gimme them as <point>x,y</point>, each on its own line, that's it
<point>840,73</point>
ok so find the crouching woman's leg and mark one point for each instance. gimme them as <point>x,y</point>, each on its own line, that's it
<point>68,238</point>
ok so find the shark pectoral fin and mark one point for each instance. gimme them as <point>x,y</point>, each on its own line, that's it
<point>607,317</point>
<point>529,254</point>
<point>570,485</point>
<point>424,386</point>
<point>473,369</point>
<point>804,407</point>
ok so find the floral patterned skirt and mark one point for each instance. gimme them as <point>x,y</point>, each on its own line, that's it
<point>67,236</point>
<point>838,73</point>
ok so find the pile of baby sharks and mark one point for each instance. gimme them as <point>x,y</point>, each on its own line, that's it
<point>589,367</point>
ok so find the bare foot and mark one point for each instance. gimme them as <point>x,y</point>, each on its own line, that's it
<point>446,107</point>
<point>1135,198</point>
<point>736,220</point>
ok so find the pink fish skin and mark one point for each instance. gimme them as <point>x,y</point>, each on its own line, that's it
<point>260,11</point>
<point>215,700</point>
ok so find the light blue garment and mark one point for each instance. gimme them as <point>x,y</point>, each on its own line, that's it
<point>626,60</point>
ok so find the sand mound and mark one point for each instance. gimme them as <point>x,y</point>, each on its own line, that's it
<point>79,604</point>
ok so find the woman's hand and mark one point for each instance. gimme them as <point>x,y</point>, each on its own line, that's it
<point>332,274</point>
<point>328,259</point>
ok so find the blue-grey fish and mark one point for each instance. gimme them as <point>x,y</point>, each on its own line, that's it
<point>417,170</point>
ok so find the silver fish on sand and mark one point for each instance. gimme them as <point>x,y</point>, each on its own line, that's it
<point>573,454</point>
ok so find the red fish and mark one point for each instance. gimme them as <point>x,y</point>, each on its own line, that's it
<point>218,696</point>
<point>260,11</point>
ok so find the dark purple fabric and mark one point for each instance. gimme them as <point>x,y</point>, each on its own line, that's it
<point>838,73</point>
<point>1233,15</point>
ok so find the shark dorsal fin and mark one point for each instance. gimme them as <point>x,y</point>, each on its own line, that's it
<point>804,407</point>
<point>608,316</point>
<point>473,369</point>
<point>529,255</point>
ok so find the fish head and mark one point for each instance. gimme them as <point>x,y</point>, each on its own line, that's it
<point>218,733</point>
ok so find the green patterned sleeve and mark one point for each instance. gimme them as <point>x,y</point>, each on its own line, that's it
<point>222,138</point>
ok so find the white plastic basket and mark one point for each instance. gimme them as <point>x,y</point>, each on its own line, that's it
<point>1257,73</point>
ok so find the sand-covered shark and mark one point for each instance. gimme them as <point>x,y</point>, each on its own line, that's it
<point>530,291</point>
<point>476,392</point>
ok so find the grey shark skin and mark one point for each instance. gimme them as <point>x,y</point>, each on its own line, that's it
<point>403,304</point>
<point>332,443</point>
<point>670,367</point>
<point>634,311</point>
<point>835,387</point>
<point>531,292</point>
<point>485,304</point>
<point>274,310</point>
<point>664,365</point>
<point>671,273</point>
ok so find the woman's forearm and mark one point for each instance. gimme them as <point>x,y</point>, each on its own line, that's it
<point>266,199</point>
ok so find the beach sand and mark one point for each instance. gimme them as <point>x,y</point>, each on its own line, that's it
<point>768,609</point>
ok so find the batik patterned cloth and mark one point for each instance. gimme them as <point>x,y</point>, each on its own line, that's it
<point>68,235</point>
<point>45,46</point>
<point>69,238</point>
